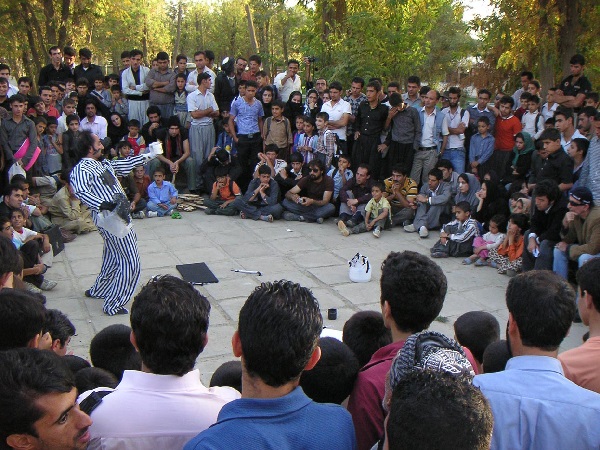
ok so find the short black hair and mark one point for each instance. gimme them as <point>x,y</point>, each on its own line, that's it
<point>507,99</point>
<point>415,287</point>
<point>153,109</point>
<point>22,317</point>
<point>169,319</point>
<point>59,326</point>
<point>437,173</point>
<point>464,206</point>
<point>454,90</point>
<point>279,327</point>
<point>588,280</point>
<point>125,54</point>
<point>163,56</point>
<point>335,85</point>
<point>9,255</point>
<point>550,134</point>
<point>296,157</point>
<point>75,363</point>
<point>567,113</point>
<point>434,410</point>
<point>399,168</point>
<point>543,306</point>
<point>358,80</point>
<point>318,164</point>
<point>484,119</point>
<point>94,377</point>
<point>527,74</point>
<point>495,357</point>
<point>577,59</point>
<point>25,375</point>
<point>228,374</point>
<point>111,349</point>
<point>476,330</point>
<point>85,52</point>
<point>264,170</point>
<point>257,59</point>
<point>333,377</point>
<point>547,188</point>
<point>414,79</point>
<point>365,333</point>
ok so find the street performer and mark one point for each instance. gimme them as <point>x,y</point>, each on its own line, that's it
<point>94,182</point>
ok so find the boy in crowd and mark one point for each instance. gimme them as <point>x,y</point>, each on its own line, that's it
<point>289,176</point>
<point>476,330</point>
<point>365,333</point>
<point>340,175</point>
<point>103,95</point>
<point>118,104</point>
<point>162,195</point>
<point>135,139</point>
<point>507,126</point>
<point>69,107</point>
<point>223,193</point>
<point>326,141</point>
<point>456,237</point>
<point>550,106</point>
<point>142,181</point>
<point>269,158</point>
<point>533,121</point>
<point>61,330</point>
<point>378,214</point>
<point>277,130</point>
<point>481,147</point>
<point>557,165</point>
<point>260,200</point>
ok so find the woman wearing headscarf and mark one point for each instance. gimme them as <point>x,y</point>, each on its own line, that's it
<point>523,151</point>
<point>294,108</point>
<point>468,186</point>
<point>490,204</point>
<point>117,129</point>
<point>311,106</point>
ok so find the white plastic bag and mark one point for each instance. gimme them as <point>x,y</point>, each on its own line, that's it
<point>113,223</point>
<point>15,169</point>
<point>360,269</point>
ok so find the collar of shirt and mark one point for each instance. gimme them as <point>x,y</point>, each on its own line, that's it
<point>535,364</point>
<point>138,380</point>
<point>266,407</point>
<point>432,114</point>
<point>481,110</point>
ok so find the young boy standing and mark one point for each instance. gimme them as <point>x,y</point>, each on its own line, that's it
<point>100,93</point>
<point>118,104</point>
<point>68,109</point>
<point>481,147</point>
<point>550,106</point>
<point>326,145</point>
<point>277,130</point>
<point>378,214</point>
<point>533,121</point>
<point>507,126</point>
<point>162,195</point>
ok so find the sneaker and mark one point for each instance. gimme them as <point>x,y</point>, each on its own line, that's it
<point>152,214</point>
<point>439,255</point>
<point>291,216</point>
<point>423,232</point>
<point>377,232</point>
<point>210,212</point>
<point>268,218</point>
<point>320,220</point>
<point>406,223</point>
<point>343,229</point>
<point>410,228</point>
<point>138,215</point>
<point>32,288</point>
<point>48,285</point>
<point>119,312</point>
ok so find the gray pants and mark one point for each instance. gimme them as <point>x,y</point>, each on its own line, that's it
<point>345,209</point>
<point>166,111</point>
<point>428,216</point>
<point>189,165</point>
<point>254,212</point>
<point>202,140</point>
<point>402,215</point>
<point>137,110</point>
<point>423,162</point>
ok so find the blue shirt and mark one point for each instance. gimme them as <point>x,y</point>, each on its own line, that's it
<point>247,115</point>
<point>163,194</point>
<point>337,180</point>
<point>535,407</point>
<point>290,422</point>
<point>481,148</point>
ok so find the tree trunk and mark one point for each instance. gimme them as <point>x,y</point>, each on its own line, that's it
<point>251,31</point>
<point>49,16</point>
<point>547,48</point>
<point>178,35</point>
<point>568,32</point>
<point>31,41</point>
<point>64,19</point>
<point>33,26</point>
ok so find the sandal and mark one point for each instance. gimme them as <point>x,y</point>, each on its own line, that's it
<point>468,261</point>
<point>176,215</point>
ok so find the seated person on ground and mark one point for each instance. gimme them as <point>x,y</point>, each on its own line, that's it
<point>377,214</point>
<point>69,213</point>
<point>354,196</point>
<point>224,191</point>
<point>269,158</point>
<point>261,198</point>
<point>162,195</point>
<point>401,191</point>
<point>288,177</point>
<point>456,237</point>
<point>490,240</point>
<point>507,258</point>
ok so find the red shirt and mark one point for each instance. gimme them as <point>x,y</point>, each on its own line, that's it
<point>505,130</point>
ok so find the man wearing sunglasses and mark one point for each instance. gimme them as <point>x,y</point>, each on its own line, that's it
<point>580,234</point>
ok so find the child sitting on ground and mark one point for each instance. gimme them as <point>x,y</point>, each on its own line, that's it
<point>224,192</point>
<point>162,195</point>
<point>507,258</point>
<point>456,237</point>
<point>492,239</point>
<point>378,214</point>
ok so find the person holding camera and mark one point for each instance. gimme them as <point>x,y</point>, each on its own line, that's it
<point>288,81</point>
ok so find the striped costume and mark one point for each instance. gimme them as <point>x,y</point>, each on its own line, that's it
<point>95,182</point>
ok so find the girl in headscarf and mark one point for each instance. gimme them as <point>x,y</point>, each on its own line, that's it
<point>523,151</point>
<point>117,129</point>
<point>311,106</point>
<point>294,108</point>
<point>490,204</point>
<point>468,186</point>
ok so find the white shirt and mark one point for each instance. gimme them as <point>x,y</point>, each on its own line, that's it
<point>529,120</point>
<point>290,85</point>
<point>192,80</point>
<point>456,140</point>
<point>566,144</point>
<point>335,113</point>
<point>197,101</point>
<point>428,129</point>
<point>549,112</point>
<point>99,126</point>
<point>148,411</point>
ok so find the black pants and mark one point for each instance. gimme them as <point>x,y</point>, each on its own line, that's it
<point>30,251</point>
<point>247,154</point>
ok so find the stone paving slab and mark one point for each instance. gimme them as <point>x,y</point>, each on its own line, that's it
<point>311,254</point>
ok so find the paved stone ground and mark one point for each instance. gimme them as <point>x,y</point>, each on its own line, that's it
<point>313,255</point>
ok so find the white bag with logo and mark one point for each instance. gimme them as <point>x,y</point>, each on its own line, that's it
<point>360,269</point>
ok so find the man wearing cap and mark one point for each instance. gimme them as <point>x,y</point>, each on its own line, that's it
<point>86,69</point>
<point>580,232</point>
<point>177,152</point>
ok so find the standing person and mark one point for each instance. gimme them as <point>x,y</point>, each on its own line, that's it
<point>202,107</point>
<point>134,87</point>
<point>94,182</point>
<point>86,69</point>
<point>458,121</point>
<point>201,67</point>
<point>288,81</point>
<point>573,89</point>
<point>254,63</point>
<point>56,70</point>
<point>249,113</point>
<point>507,126</point>
<point>411,97</point>
<point>355,98</point>
<point>339,112</point>
<point>161,82</point>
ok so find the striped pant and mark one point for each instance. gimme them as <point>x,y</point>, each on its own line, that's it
<point>120,271</point>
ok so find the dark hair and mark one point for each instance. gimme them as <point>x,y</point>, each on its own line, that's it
<point>445,163</point>
<point>543,306</point>
<point>272,148</point>
<point>85,52</point>
<point>261,73</point>
<point>257,59</point>
<point>577,59</point>
<point>251,83</point>
<point>25,80</point>
<point>264,170</point>
<point>59,326</point>
<point>501,221</point>
<point>169,319</point>
<point>375,85</point>
<point>333,377</point>
<point>434,410</point>
<point>162,56</point>
<point>484,119</point>
<point>414,287</point>
<point>94,377</point>
<point>379,185</point>
<point>228,374</point>
<point>485,92</point>
<point>318,164</point>
<point>534,99</point>
<point>567,113</point>
<point>425,90</point>
<point>399,168</point>
<point>75,363</point>
<point>279,326</point>
<point>336,85</point>
<point>495,357</point>
<point>84,143</point>
<point>136,52</point>
<point>296,158</point>
<point>17,98</point>
<point>527,74</point>
<point>464,206</point>
<point>365,333</point>
<point>153,109</point>
<point>5,67</point>
<point>180,57</point>
<point>22,317</point>
<point>454,90</point>
<point>525,96</point>
<point>345,156</point>
<point>594,96</point>
<point>9,255</point>
<point>278,103</point>
<point>134,123</point>
<point>70,118</point>
<point>582,145</point>
<point>358,80</point>
<point>323,115</point>
<point>547,188</point>
<point>550,134</point>
<point>112,350</point>
<point>520,220</point>
<point>437,173</point>
<point>587,279</point>
<point>125,54</point>
<point>507,99</point>
<point>292,61</point>
<point>476,330</point>
<point>414,79</point>
<point>25,375</point>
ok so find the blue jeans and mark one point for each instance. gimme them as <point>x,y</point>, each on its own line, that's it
<point>561,262</point>
<point>161,212</point>
<point>310,213</point>
<point>457,157</point>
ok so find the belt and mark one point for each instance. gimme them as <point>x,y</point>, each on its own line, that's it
<point>427,148</point>
<point>248,136</point>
